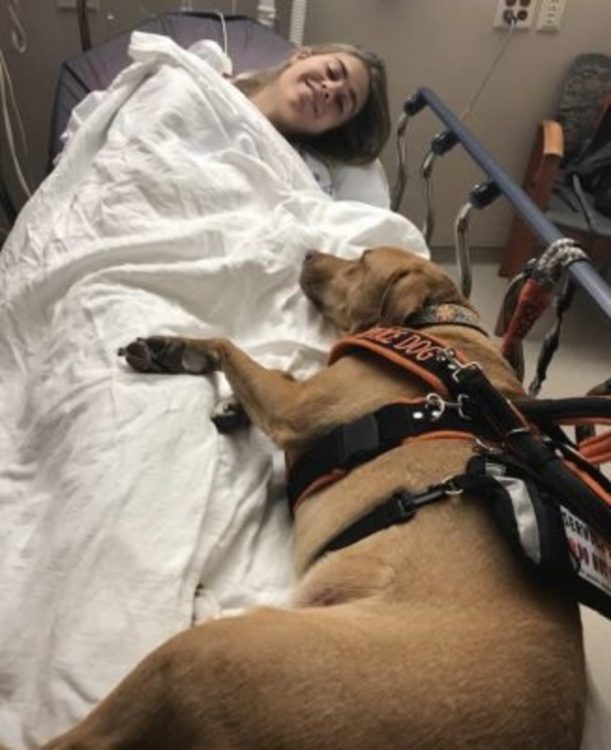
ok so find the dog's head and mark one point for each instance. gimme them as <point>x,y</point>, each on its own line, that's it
<point>382,287</point>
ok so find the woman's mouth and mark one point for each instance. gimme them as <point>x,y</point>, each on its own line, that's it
<point>314,98</point>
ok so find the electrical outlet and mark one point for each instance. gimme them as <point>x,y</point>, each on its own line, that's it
<point>550,16</point>
<point>522,11</point>
<point>71,4</point>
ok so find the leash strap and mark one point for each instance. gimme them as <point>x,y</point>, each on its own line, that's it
<point>588,494</point>
<point>580,410</point>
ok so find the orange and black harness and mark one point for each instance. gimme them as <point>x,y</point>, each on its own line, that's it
<point>526,463</point>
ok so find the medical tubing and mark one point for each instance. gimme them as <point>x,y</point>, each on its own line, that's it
<point>9,129</point>
<point>13,98</point>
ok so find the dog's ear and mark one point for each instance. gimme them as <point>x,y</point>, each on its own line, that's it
<point>411,290</point>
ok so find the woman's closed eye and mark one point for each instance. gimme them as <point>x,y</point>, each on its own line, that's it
<point>332,74</point>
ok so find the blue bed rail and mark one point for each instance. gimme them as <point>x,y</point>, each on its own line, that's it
<point>581,271</point>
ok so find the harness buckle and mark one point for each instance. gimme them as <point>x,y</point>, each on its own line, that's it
<point>437,406</point>
<point>455,366</point>
<point>358,440</point>
<point>401,506</point>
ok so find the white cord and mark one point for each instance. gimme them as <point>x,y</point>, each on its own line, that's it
<point>223,30</point>
<point>146,10</point>
<point>6,82</point>
<point>402,174</point>
<point>9,81</point>
<point>19,37</point>
<point>471,103</point>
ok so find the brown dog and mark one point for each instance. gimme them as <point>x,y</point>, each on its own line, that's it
<point>425,636</point>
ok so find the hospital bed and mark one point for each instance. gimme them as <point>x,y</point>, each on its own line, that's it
<point>127,516</point>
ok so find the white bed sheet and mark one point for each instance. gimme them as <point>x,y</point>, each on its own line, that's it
<point>124,515</point>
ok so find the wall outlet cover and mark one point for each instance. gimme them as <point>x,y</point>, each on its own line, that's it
<point>523,11</point>
<point>550,15</point>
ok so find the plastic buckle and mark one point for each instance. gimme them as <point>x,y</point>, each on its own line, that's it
<point>359,440</point>
<point>401,507</point>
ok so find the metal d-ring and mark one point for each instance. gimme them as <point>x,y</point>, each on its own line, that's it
<point>438,406</point>
<point>450,488</point>
<point>485,448</point>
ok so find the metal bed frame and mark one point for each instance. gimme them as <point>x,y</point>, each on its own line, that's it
<point>582,272</point>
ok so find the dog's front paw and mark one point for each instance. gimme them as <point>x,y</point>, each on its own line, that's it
<point>229,415</point>
<point>168,355</point>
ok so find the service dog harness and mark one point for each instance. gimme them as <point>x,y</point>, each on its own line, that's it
<point>551,501</point>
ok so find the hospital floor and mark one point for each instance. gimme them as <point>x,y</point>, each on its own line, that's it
<point>582,361</point>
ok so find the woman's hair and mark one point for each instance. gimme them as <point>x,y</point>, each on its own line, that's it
<point>357,141</point>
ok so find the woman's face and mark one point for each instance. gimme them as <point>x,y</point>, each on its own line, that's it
<point>319,92</point>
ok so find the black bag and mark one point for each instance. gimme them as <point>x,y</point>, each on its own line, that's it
<point>590,169</point>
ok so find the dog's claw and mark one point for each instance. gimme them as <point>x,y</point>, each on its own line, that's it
<point>229,415</point>
<point>168,355</point>
<point>153,355</point>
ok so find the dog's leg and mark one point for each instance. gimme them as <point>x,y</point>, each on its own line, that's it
<point>273,401</point>
<point>234,683</point>
<point>337,677</point>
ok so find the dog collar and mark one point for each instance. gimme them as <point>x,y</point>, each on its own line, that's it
<point>446,313</point>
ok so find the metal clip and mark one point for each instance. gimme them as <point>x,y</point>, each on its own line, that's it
<point>437,404</point>
<point>485,448</point>
<point>456,375</point>
<point>450,487</point>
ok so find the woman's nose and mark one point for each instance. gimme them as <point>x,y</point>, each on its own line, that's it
<point>330,87</point>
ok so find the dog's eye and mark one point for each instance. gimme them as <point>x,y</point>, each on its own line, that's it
<point>352,271</point>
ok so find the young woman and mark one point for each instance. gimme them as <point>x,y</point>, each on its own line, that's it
<point>329,99</point>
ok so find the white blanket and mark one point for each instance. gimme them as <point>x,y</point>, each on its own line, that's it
<point>124,515</point>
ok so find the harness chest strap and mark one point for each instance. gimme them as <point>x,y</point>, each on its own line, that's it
<point>354,443</point>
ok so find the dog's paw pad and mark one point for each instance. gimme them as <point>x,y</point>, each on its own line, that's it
<point>228,415</point>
